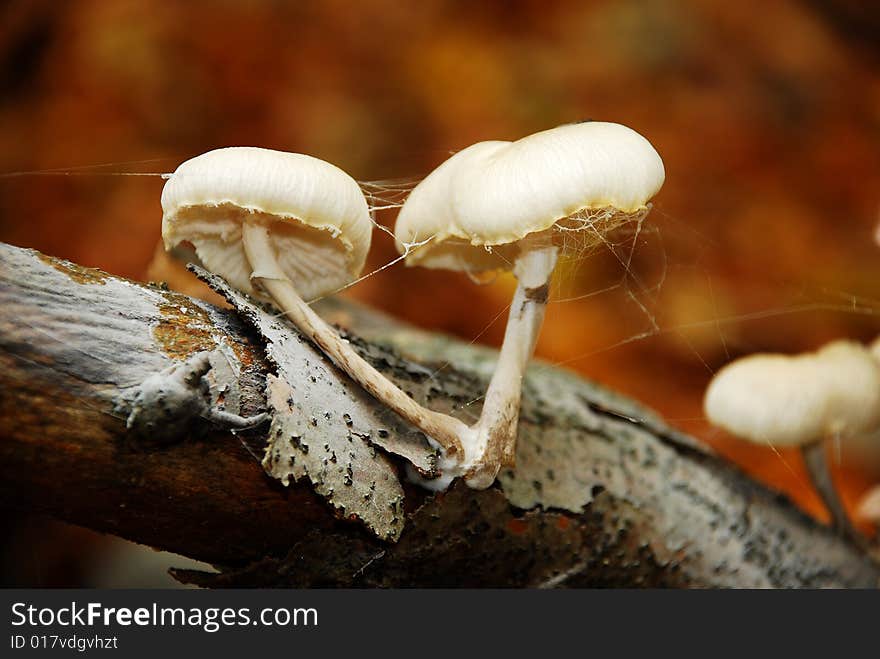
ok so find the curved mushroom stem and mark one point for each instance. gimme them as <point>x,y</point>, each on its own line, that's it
<point>820,476</point>
<point>445,430</point>
<point>496,428</point>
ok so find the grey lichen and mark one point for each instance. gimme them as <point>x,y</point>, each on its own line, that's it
<point>175,402</point>
<point>615,436</point>
<point>352,475</point>
<point>327,429</point>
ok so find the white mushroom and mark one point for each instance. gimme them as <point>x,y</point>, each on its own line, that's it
<point>505,206</point>
<point>799,401</point>
<point>299,218</point>
<point>283,227</point>
<point>868,508</point>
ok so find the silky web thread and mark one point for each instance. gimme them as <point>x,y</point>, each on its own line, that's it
<point>580,236</point>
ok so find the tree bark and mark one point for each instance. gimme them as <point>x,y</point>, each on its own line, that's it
<point>604,493</point>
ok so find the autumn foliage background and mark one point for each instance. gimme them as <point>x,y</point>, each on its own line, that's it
<point>767,117</point>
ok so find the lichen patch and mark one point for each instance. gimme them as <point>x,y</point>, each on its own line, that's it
<point>328,430</point>
<point>183,328</point>
<point>78,273</point>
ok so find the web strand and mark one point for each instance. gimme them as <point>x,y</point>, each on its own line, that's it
<point>583,236</point>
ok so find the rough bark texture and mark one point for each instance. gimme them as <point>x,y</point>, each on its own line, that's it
<point>604,493</point>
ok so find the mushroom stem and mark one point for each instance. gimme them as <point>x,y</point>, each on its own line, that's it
<point>496,428</point>
<point>445,430</point>
<point>820,476</point>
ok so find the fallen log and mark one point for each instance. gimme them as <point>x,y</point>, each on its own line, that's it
<point>604,493</point>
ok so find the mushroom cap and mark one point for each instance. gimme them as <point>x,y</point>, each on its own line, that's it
<point>785,400</point>
<point>478,204</point>
<point>868,508</point>
<point>316,213</point>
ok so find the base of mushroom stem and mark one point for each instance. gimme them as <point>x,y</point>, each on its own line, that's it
<point>480,481</point>
<point>477,469</point>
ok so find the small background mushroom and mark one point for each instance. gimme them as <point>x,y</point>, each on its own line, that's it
<point>801,401</point>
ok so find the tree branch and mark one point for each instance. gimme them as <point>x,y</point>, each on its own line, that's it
<point>604,493</point>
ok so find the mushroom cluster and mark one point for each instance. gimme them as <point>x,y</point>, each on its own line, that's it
<point>287,228</point>
<point>801,401</point>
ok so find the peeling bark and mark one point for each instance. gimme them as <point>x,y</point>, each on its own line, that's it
<point>604,493</point>
<point>327,429</point>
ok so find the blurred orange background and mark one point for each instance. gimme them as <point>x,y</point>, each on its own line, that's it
<point>767,118</point>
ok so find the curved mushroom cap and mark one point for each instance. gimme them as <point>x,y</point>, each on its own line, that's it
<point>478,204</point>
<point>796,400</point>
<point>318,216</point>
<point>868,508</point>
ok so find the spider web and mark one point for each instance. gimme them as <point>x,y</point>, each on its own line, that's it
<point>636,247</point>
<point>631,255</point>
